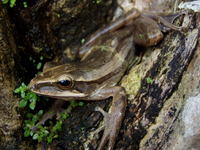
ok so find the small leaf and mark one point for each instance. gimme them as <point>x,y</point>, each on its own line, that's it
<point>39,66</point>
<point>22,94</point>
<point>31,133</point>
<point>82,40</point>
<point>35,136</point>
<point>149,80</point>
<point>40,138</point>
<point>17,90</point>
<point>73,103</point>
<point>81,103</point>
<point>35,118</point>
<point>29,125</point>
<point>40,112</point>
<point>34,96</point>
<point>64,116</point>
<point>27,133</point>
<point>32,105</point>
<point>49,139</point>
<point>22,103</point>
<point>25,4</point>
<point>41,57</point>
<point>5,1</point>
<point>55,136</point>
<point>12,3</point>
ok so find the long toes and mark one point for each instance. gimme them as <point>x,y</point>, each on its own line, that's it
<point>112,139</point>
<point>109,135</point>
<point>99,129</point>
<point>104,113</point>
<point>110,131</point>
<point>104,140</point>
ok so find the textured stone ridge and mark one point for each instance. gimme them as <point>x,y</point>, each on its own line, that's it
<point>9,120</point>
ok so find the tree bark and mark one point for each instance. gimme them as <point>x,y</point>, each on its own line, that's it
<point>10,122</point>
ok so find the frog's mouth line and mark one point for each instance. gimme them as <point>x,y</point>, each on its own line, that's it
<point>56,93</point>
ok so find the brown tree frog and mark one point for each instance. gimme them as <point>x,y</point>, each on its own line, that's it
<point>104,59</point>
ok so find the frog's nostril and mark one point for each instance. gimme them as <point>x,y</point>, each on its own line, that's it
<point>31,86</point>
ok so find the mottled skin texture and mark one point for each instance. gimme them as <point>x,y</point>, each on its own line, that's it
<point>104,59</point>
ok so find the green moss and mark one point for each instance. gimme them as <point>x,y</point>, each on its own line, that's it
<point>12,3</point>
<point>132,82</point>
<point>149,80</point>
<point>28,98</point>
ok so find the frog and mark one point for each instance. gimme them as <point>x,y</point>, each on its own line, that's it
<point>103,61</point>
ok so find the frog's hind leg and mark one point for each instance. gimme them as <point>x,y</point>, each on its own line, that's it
<point>147,29</point>
<point>166,21</point>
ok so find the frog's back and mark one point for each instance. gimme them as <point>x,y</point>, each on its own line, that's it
<point>108,58</point>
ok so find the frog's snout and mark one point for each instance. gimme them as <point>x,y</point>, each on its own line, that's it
<point>31,86</point>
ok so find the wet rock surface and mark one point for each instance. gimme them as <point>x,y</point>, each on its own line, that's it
<point>10,121</point>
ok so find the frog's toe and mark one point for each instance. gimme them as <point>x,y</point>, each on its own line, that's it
<point>109,136</point>
<point>104,113</point>
<point>112,122</point>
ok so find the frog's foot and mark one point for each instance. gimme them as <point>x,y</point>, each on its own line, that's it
<point>55,110</point>
<point>112,123</point>
<point>166,21</point>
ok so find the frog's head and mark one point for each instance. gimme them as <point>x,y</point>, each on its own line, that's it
<point>57,82</point>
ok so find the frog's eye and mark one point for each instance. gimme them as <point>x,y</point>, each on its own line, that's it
<point>64,84</point>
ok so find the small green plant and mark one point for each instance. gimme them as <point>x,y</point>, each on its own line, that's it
<point>27,97</point>
<point>11,2</point>
<point>38,65</point>
<point>149,80</point>
<point>41,132</point>
<point>97,1</point>
<point>76,103</point>
<point>31,127</point>
<point>82,41</point>
<point>25,4</point>
<point>31,123</point>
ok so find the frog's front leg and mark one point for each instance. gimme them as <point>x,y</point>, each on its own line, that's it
<point>55,110</point>
<point>113,119</point>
